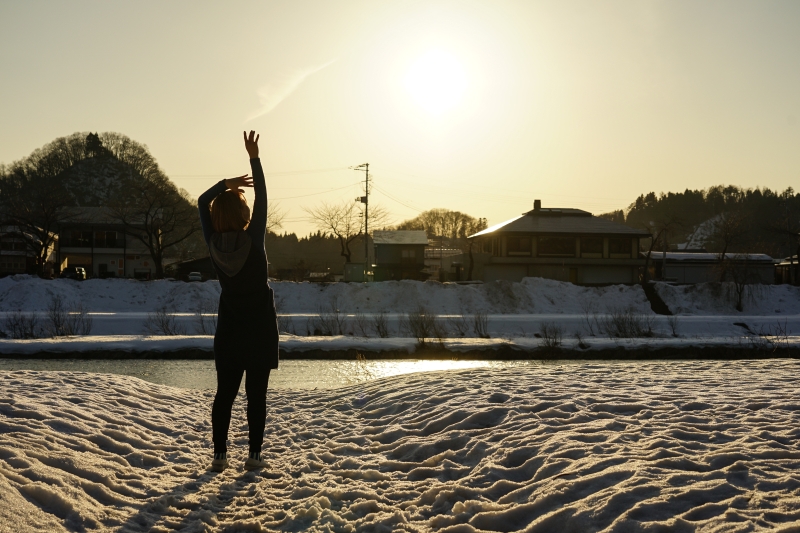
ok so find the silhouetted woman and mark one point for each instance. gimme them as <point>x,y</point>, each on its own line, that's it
<point>246,341</point>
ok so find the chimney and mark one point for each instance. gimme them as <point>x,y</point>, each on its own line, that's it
<point>537,204</point>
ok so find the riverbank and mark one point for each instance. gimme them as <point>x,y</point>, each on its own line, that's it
<point>677,446</point>
<point>347,347</point>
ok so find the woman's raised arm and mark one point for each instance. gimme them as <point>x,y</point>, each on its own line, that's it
<point>258,219</point>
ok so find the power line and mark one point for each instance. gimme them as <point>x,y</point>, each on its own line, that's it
<point>395,199</point>
<point>281,173</point>
<point>316,193</point>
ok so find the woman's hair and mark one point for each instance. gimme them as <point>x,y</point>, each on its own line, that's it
<point>230,212</point>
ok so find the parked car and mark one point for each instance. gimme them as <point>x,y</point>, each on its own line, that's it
<point>76,273</point>
<point>195,276</point>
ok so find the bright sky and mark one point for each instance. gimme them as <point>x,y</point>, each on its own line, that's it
<point>480,107</point>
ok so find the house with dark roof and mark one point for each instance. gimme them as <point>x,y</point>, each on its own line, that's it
<point>562,244</point>
<point>399,255</point>
<point>95,240</point>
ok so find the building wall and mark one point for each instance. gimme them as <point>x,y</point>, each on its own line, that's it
<point>493,272</point>
<point>392,254</point>
<point>608,274</point>
<point>581,274</point>
<point>702,273</point>
<point>116,264</point>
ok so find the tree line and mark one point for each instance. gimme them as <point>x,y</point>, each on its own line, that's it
<point>721,219</point>
<point>48,189</point>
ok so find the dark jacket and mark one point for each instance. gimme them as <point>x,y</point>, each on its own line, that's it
<point>247,327</point>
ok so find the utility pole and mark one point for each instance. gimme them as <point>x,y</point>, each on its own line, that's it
<point>365,200</point>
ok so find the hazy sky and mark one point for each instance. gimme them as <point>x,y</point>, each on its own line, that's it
<point>476,106</point>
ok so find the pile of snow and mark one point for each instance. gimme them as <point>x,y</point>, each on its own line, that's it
<point>30,293</point>
<point>719,299</point>
<point>613,447</point>
<point>531,296</point>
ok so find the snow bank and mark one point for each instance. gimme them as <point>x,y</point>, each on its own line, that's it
<point>717,299</point>
<point>625,447</point>
<point>532,295</point>
<point>30,293</point>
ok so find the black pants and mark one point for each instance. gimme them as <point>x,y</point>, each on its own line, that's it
<point>229,377</point>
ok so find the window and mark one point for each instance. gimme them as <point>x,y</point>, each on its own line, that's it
<point>556,247</point>
<point>408,255</point>
<point>591,247</point>
<point>619,247</point>
<point>77,238</point>
<point>518,246</point>
<point>105,239</point>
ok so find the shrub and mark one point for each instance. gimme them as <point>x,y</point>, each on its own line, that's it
<point>581,343</point>
<point>421,324</point>
<point>19,325</point>
<point>589,310</point>
<point>552,334</point>
<point>480,325</point>
<point>205,317</point>
<point>329,321</point>
<point>672,321</point>
<point>361,324</point>
<point>627,323</point>
<point>459,324</point>
<point>380,323</point>
<point>286,325</point>
<point>63,322</point>
<point>162,322</point>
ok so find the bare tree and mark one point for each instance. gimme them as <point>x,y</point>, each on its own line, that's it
<point>34,198</point>
<point>444,222</point>
<point>345,221</point>
<point>658,233</point>
<point>729,229</point>
<point>158,215</point>
<point>741,272</point>
<point>152,210</point>
<point>453,225</point>
<point>275,217</point>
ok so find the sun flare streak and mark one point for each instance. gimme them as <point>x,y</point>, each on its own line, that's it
<point>276,92</point>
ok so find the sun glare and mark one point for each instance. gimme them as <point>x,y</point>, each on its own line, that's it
<point>436,81</point>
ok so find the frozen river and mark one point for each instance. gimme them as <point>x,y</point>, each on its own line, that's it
<point>292,374</point>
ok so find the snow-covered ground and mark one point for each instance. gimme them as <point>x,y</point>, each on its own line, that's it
<point>678,446</point>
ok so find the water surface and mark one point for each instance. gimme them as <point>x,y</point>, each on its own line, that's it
<point>292,374</point>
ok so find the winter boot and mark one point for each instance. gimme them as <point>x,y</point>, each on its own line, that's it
<point>254,461</point>
<point>220,462</point>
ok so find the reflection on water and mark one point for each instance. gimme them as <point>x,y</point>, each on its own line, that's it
<point>292,374</point>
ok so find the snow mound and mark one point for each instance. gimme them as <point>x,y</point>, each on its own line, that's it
<point>719,299</point>
<point>624,447</point>
<point>30,293</point>
<point>532,295</point>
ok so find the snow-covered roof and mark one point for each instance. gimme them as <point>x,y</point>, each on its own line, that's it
<point>549,221</point>
<point>707,257</point>
<point>400,237</point>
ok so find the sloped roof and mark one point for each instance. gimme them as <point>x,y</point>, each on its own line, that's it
<point>706,257</point>
<point>561,220</point>
<point>400,237</point>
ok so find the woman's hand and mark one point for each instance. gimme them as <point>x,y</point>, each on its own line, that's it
<point>240,181</point>
<point>251,144</point>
